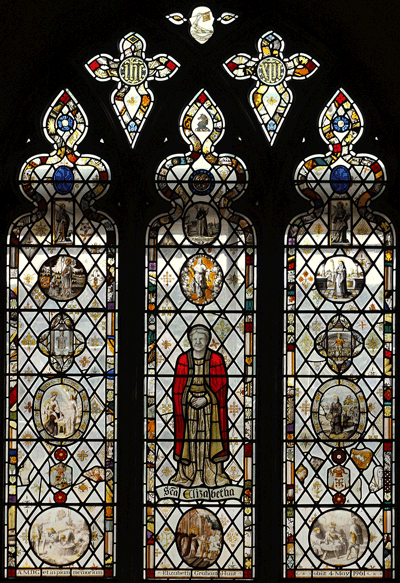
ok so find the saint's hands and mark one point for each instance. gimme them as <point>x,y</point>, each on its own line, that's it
<point>198,402</point>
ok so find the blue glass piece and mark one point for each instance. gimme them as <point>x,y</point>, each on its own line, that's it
<point>63,179</point>
<point>132,127</point>
<point>341,123</point>
<point>201,182</point>
<point>271,126</point>
<point>65,123</point>
<point>340,179</point>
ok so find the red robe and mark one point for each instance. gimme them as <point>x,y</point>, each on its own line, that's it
<point>215,380</point>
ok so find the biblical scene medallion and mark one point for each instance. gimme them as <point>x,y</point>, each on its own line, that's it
<point>339,537</point>
<point>59,537</point>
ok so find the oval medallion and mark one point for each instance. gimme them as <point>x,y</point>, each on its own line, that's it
<point>62,278</point>
<point>61,410</point>
<point>201,279</point>
<point>63,179</point>
<point>340,179</point>
<point>339,537</point>
<point>199,538</point>
<point>339,412</point>
<point>59,536</point>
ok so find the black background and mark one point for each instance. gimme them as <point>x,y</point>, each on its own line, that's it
<point>43,48</point>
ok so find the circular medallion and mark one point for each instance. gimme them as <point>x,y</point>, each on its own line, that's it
<point>341,123</point>
<point>339,498</point>
<point>62,278</point>
<point>61,411</point>
<point>65,123</point>
<point>203,527</point>
<point>60,454</point>
<point>271,71</point>
<point>339,537</point>
<point>202,224</point>
<point>340,179</point>
<point>201,182</point>
<point>339,412</point>
<point>59,536</point>
<point>340,279</point>
<point>63,179</point>
<point>339,456</point>
<point>60,497</point>
<point>201,279</point>
<point>133,71</point>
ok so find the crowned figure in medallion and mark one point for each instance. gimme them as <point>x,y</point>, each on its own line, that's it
<point>200,413</point>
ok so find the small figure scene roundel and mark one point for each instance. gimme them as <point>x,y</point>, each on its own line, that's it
<point>201,279</point>
<point>339,412</point>
<point>59,536</point>
<point>340,279</point>
<point>199,538</point>
<point>339,537</point>
<point>61,410</point>
<point>202,224</point>
<point>62,278</point>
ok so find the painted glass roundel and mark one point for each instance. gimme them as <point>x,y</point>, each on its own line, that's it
<point>59,536</point>
<point>202,224</point>
<point>61,410</point>
<point>339,412</point>
<point>201,181</point>
<point>201,279</point>
<point>199,538</point>
<point>339,537</point>
<point>133,71</point>
<point>340,279</point>
<point>62,278</point>
<point>341,123</point>
<point>271,71</point>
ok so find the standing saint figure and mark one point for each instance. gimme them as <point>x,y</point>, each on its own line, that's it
<point>200,414</point>
<point>62,223</point>
<point>340,217</point>
<point>341,281</point>
<point>201,219</point>
<point>199,284</point>
<point>336,412</point>
<point>66,278</point>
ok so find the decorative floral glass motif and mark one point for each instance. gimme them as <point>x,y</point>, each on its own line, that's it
<point>132,99</point>
<point>271,98</point>
<point>61,377</point>
<point>338,366</point>
<point>200,395</point>
<point>201,26</point>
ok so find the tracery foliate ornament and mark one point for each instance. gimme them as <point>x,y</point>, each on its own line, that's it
<point>61,320</point>
<point>132,99</point>
<point>201,22</point>
<point>339,373</point>
<point>271,98</point>
<point>200,325</point>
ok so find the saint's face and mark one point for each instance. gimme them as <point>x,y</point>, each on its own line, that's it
<point>198,341</point>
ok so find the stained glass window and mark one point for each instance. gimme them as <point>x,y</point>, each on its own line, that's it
<point>60,387</point>
<point>339,370</point>
<point>200,329</point>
